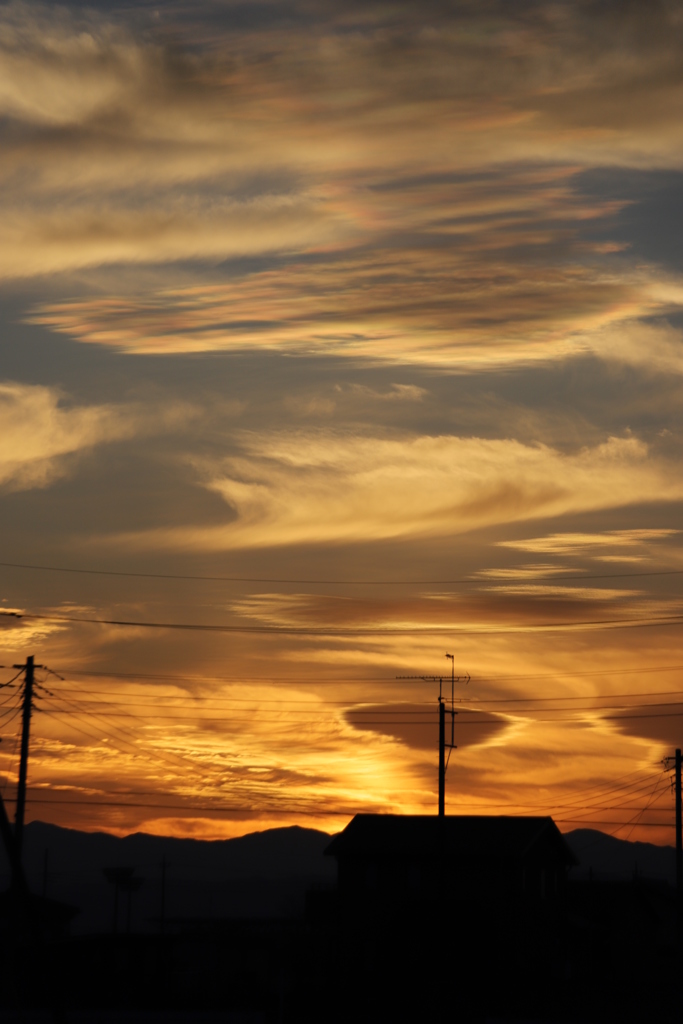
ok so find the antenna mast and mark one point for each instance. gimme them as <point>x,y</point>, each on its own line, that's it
<point>443,710</point>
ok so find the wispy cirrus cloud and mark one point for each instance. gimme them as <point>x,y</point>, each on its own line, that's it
<point>408,185</point>
<point>415,179</point>
<point>594,545</point>
<point>41,431</point>
<point>451,309</point>
<point>327,487</point>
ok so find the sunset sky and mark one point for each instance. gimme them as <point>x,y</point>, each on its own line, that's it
<point>353,331</point>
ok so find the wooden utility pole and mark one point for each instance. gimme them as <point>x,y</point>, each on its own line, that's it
<point>668,762</point>
<point>162,918</point>
<point>11,840</point>
<point>442,757</point>
<point>27,707</point>
<point>679,839</point>
<point>443,746</point>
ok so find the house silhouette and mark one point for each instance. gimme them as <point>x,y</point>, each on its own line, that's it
<point>404,860</point>
<point>419,894</point>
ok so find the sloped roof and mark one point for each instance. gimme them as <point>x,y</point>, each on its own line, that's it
<point>458,836</point>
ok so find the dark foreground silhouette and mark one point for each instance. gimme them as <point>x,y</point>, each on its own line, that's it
<point>405,918</point>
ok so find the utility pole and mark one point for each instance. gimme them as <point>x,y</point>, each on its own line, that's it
<point>11,841</point>
<point>163,895</point>
<point>679,838</point>
<point>27,707</point>
<point>443,745</point>
<point>442,757</point>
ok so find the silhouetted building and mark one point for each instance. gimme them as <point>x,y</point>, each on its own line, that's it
<point>404,860</point>
<point>418,894</point>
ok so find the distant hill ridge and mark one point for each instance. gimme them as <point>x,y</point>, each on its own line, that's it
<point>273,853</point>
<point>283,852</point>
<point>292,851</point>
<point>609,857</point>
<point>261,874</point>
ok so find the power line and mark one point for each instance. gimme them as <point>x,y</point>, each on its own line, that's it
<point>368,705</point>
<point>204,705</point>
<point>595,806</point>
<point>336,681</point>
<point>294,717</point>
<point>321,812</point>
<point>185,678</point>
<point>466,580</point>
<point>621,824</point>
<point>596,696</point>
<point>644,809</point>
<point>8,699</point>
<point>640,785</point>
<point>318,813</point>
<point>190,807</point>
<point>557,721</point>
<point>16,711</point>
<point>326,631</point>
<point>182,763</point>
<point>620,779</point>
<point>487,721</point>
<point>12,680</point>
<point>599,802</point>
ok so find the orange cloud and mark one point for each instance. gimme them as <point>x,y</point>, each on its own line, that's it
<point>415,218</point>
<point>451,310</point>
<point>291,488</point>
<point>41,431</point>
<point>593,544</point>
<point>409,179</point>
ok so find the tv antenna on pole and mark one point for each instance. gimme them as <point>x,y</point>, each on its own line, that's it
<point>443,710</point>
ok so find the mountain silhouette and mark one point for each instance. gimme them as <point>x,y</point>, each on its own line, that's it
<point>605,857</point>
<point>257,876</point>
<point>260,875</point>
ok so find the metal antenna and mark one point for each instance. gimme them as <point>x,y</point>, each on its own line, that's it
<point>443,746</point>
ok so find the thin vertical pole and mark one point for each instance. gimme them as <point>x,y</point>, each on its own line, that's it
<point>23,764</point>
<point>10,843</point>
<point>115,925</point>
<point>45,874</point>
<point>442,758</point>
<point>163,895</point>
<point>679,841</point>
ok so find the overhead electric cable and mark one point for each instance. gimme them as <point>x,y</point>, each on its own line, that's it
<point>355,719</point>
<point>336,681</point>
<point>191,807</point>
<point>561,808</point>
<point>127,695</point>
<point>13,679</point>
<point>181,763</point>
<point>598,800</point>
<point>288,812</point>
<point>620,824</point>
<point>359,707</point>
<point>16,711</point>
<point>340,582</point>
<point>643,810</point>
<point>546,627</point>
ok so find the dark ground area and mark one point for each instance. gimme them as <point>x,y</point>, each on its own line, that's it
<point>252,931</point>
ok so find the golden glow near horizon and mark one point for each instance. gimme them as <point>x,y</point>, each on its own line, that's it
<point>355,329</point>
